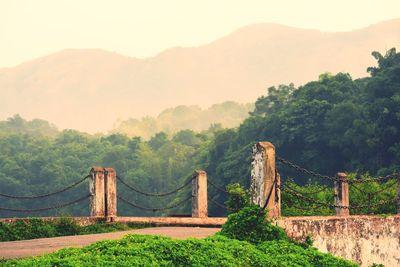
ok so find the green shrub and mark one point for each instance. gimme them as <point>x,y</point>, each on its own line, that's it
<point>249,224</point>
<point>238,197</point>
<point>67,226</point>
<point>36,228</point>
<point>139,250</point>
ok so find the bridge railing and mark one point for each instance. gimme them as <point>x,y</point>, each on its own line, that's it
<point>31,198</point>
<point>265,190</point>
<point>266,181</point>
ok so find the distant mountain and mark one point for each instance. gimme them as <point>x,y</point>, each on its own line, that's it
<point>89,89</point>
<point>227,114</point>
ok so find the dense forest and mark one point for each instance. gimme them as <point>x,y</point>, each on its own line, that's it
<point>329,125</point>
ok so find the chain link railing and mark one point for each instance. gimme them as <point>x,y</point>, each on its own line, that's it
<point>216,203</point>
<point>55,207</point>
<point>304,170</point>
<point>162,194</point>
<point>219,188</point>
<point>47,194</point>
<point>359,179</point>
<point>135,205</point>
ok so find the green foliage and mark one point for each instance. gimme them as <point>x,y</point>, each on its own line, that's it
<point>36,127</point>
<point>329,125</point>
<point>138,250</point>
<point>372,193</point>
<point>334,124</point>
<point>249,224</point>
<point>381,197</point>
<point>36,228</point>
<point>292,205</point>
<point>238,197</point>
<point>38,164</point>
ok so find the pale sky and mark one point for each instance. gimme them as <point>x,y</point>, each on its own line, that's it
<point>34,28</point>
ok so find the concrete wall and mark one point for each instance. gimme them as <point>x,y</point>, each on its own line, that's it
<point>363,239</point>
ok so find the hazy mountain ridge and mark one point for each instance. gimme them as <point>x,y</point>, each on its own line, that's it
<point>89,89</point>
<point>227,114</point>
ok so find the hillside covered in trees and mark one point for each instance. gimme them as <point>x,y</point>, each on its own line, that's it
<point>329,125</point>
<point>228,114</point>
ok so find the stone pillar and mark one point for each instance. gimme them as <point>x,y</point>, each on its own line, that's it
<point>264,179</point>
<point>96,188</point>
<point>199,193</point>
<point>110,190</point>
<point>342,194</point>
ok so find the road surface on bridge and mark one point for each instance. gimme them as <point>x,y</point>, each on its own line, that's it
<point>35,247</point>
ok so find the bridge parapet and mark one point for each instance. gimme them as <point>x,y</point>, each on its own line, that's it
<point>364,239</point>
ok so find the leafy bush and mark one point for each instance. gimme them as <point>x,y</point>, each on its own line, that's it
<point>139,250</point>
<point>37,228</point>
<point>249,224</point>
<point>67,226</point>
<point>238,197</point>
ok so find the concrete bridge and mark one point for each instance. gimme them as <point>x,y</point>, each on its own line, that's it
<point>363,238</point>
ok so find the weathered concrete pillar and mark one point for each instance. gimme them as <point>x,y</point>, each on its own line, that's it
<point>96,188</point>
<point>342,194</point>
<point>199,193</point>
<point>265,180</point>
<point>110,189</point>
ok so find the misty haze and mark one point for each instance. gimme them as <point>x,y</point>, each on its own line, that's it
<point>75,88</point>
<point>200,133</point>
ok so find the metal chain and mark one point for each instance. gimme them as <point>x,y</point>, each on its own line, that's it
<point>59,206</point>
<point>311,200</point>
<point>376,179</point>
<point>302,208</point>
<point>305,171</point>
<point>219,188</point>
<point>154,209</point>
<point>48,194</point>
<point>375,192</point>
<point>312,173</point>
<point>219,204</point>
<point>324,187</point>
<point>155,194</point>
<point>380,203</point>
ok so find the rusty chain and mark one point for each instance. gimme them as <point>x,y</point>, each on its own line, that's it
<point>376,179</point>
<point>375,192</point>
<point>154,209</point>
<point>292,204</point>
<point>323,188</point>
<point>219,204</point>
<point>311,200</point>
<point>48,194</point>
<point>315,174</point>
<point>155,194</point>
<point>59,206</point>
<point>380,203</point>
<point>219,188</point>
<point>304,170</point>
<point>369,205</point>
